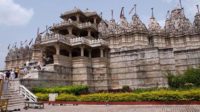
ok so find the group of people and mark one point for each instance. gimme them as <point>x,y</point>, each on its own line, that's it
<point>10,74</point>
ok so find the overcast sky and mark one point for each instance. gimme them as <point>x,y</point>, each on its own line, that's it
<point>19,19</point>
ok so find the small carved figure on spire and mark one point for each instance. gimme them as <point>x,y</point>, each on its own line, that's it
<point>198,9</point>
<point>152,13</point>
<point>112,14</point>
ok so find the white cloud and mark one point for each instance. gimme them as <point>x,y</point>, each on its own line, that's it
<point>12,14</point>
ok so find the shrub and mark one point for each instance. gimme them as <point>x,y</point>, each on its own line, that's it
<point>190,78</point>
<point>42,97</point>
<point>66,97</point>
<point>76,90</point>
<point>154,95</point>
<point>126,89</point>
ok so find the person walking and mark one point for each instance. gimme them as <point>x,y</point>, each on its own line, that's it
<point>16,72</point>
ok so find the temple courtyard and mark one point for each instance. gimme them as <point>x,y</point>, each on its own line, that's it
<point>118,108</point>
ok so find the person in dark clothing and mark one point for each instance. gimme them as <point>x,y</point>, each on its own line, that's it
<point>8,74</point>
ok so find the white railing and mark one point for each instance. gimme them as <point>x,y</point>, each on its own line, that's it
<point>27,94</point>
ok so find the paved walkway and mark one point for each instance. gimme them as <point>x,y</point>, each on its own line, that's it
<point>117,108</point>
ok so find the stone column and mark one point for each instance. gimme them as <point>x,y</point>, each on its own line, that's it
<point>106,53</point>
<point>57,49</point>
<point>70,53</point>
<point>70,30</point>
<point>82,51</point>
<point>77,18</point>
<point>89,32</point>
<point>101,52</point>
<point>95,20</point>
<point>90,53</point>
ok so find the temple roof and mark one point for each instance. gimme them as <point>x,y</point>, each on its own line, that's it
<point>72,12</point>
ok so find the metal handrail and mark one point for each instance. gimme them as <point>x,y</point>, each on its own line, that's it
<point>27,94</point>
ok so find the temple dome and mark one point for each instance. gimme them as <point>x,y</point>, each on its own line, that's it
<point>112,26</point>
<point>124,25</point>
<point>196,23</point>
<point>136,24</point>
<point>154,26</point>
<point>177,23</point>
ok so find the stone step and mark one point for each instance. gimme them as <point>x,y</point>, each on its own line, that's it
<point>16,100</point>
<point>15,103</point>
<point>16,106</point>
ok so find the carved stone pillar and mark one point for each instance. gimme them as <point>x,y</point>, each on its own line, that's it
<point>82,51</point>
<point>70,53</point>
<point>77,18</point>
<point>95,20</point>
<point>101,52</point>
<point>90,53</point>
<point>70,30</point>
<point>57,49</point>
<point>89,32</point>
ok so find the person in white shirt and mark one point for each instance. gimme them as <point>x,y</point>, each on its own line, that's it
<point>2,76</point>
<point>12,75</point>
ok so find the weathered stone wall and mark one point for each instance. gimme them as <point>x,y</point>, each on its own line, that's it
<point>138,68</point>
<point>187,59</point>
<point>82,71</point>
<point>31,83</point>
<point>100,73</point>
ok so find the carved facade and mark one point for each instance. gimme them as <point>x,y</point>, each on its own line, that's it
<point>85,49</point>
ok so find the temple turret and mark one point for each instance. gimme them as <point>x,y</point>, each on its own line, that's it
<point>124,25</point>
<point>196,23</point>
<point>154,26</point>
<point>177,23</point>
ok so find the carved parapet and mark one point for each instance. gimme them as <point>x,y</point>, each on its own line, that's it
<point>63,24</point>
<point>87,25</point>
<point>98,42</point>
<point>55,38</point>
<point>79,41</point>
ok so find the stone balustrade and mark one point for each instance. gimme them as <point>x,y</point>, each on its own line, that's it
<point>79,40</point>
<point>64,23</point>
<point>80,26</point>
<point>73,41</point>
<point>98,42</point>
<point>55,38</point>
<point>86,25</point>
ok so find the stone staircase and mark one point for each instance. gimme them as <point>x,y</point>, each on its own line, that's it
<point>15,100</point>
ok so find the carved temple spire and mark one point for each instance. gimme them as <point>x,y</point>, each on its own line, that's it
<point>196,23</point>
<point>136,23</point>
<point>154,26</point>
